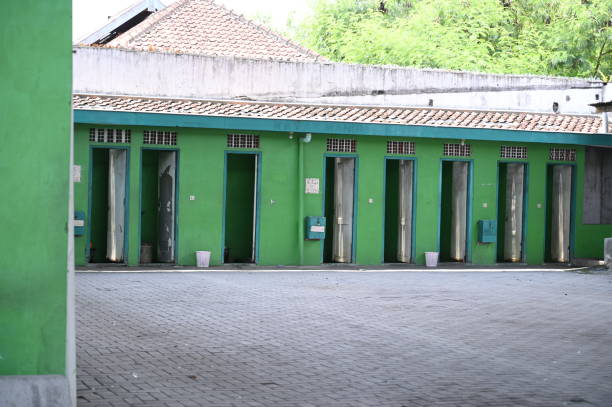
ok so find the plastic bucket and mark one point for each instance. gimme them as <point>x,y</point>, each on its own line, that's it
<point>431,259</point>
<point>202,258</point>
<point>146,253</point>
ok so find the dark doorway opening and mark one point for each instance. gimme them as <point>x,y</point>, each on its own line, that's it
<point>158,207</point>
<point>339,209</point>
<point>559,190</point>
<point>454,211</point>
<point>511,210</point>
<point>108,196</point>
<point>398,211</point>
<point>241,208</point>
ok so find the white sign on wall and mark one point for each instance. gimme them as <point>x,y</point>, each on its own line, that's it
<point>76,173</point>
<point>312,185</point>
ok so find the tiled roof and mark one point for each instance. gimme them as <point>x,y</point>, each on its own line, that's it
<point>356,114</point>
<point>202,27</point>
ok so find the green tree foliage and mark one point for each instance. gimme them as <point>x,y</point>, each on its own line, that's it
<point>548,37</point>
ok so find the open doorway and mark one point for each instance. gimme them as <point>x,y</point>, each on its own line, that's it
<point>241,207</point>
<point>512,191</point>
<point>339,209</point>
<point>107,211</point>
<point>399,211</point>
<point>158,206</point>
<point>454,211</point>
<point>559,208</point>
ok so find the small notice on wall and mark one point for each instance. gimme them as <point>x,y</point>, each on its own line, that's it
<point>76,173</point>
<point>312,185</point>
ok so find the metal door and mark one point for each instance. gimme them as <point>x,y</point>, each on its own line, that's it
<point>513,222</point>
<point>404,241</point>
<point>115,237</point>
<point>561,213</point>
<point>459,211</point>
<point>166,206</point>
<point>254,225</point>
<point>344,185</point>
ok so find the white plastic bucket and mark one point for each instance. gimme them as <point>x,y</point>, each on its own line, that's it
<point>202,258</point>
<point>431,259</point>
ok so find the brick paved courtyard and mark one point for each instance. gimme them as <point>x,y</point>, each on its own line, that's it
<point>344,339</point>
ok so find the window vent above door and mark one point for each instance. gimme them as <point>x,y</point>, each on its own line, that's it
<point>457,150</point>
<point>562,154</point>
<point>243,141</point>
<point>400,147</point>
<point>513,152</point>
<point>166,138</point>
<point>110,136</point>
<point>339,145</point>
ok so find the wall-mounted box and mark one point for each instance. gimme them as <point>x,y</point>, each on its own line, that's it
<point>79,223</point>
<point>487,231</point>
<point>314,228</point>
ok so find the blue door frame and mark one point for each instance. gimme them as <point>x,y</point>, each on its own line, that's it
<point>257,200</point>
<point>470,195</point>
<point>176,199</point>
<point>572,209</point>
<point>126,202</point>
<point>525,207</point>
<point>355,206</point>
<point>414,202</point>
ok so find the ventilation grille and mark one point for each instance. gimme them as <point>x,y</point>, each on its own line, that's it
<point>458,150</point>
<point>513,152</point>
<point>242,141</point>
<point>339,145</point>
<point>166,138</point>
<point>110,136</point>
<point>400,147</point>
<point>562,154</point>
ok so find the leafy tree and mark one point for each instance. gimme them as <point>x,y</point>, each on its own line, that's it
<point>550,37</point>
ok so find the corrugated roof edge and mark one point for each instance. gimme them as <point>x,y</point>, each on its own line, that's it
<point>419,108</point>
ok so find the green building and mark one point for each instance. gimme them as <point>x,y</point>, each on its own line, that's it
<point>238,179</point>
<point>177,164</point>
<point>36,338</point>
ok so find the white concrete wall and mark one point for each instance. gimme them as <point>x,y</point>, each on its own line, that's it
<point>127,72</point>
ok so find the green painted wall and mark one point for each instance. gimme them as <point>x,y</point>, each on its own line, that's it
<point>201,174</point>
<point>35,79</point>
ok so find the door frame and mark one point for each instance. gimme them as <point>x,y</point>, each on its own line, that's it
<point>525,208</point>
<point>469,204</point>
<point>572,211</point>
<point>355,205</point>
<point>126,221</point>
<point>176,199</point>
<point>414,203</point>
<point>257,201</point>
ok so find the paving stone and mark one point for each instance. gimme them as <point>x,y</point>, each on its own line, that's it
<point>534,339</point>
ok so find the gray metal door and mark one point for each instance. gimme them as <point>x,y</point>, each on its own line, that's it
<point>404,241</point>
<point>561,213</point>
<point>255,198</point>
<point>115,236</point>
<point>513,222</point>
<point>166,206</point>
<point>344,182</point>
<point>459,211</point>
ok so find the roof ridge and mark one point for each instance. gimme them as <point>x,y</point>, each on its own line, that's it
<point>369,107</point>
<point>137,31</point>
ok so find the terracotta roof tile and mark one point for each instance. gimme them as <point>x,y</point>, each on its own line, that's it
<point>203,27</point>
<point>361,114</point>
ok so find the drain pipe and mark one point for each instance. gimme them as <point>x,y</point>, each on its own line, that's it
<point>301,140</point>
